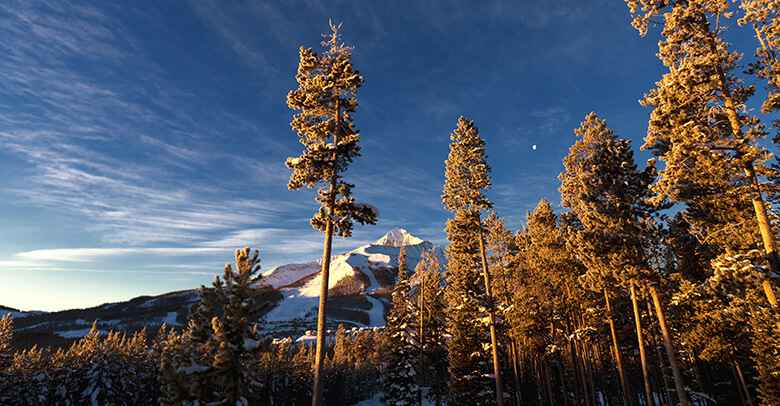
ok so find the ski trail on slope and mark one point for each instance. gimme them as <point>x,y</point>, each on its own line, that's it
<point>376,314</point>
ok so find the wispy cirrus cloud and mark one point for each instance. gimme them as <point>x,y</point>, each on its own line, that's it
<point>95,254</point>
<point>107,138</point>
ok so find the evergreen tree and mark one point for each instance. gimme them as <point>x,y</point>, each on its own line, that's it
<point>468,175</point>
<point>738,280</point>
<point>546,298</point>
<point>764,17</point>
<point>28,379</point>
<point>176,360</point>
<point>432,326</point>
<point>215,359</point>
<point>325,96</point>
<point>701,129</point>
<point>607,194</point>
<point>6,336</point>
<point>237,342</point>
<point>400,385</point>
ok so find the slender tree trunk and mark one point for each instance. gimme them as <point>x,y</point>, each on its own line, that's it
<point>678,382</point>
<point>421,306</point>
<point>738,386</point>
<point>618,358</point>
<point>548,380</point>
<point>591,382</point>
<point>492,318</point>
<point>666,394</point>
<point>513,349</point>
<point>742,382</point>
<point>705,374</point>
<point>641,341</point>
<point>564,390</point>
<point>319,367</point>
<point>606,390</point>
<point>319,376</point>
<point>578,365</point>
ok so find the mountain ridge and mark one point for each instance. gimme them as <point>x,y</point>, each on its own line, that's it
<point>359,296</point>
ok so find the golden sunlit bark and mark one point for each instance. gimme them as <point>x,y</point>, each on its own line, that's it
<point>640,339</point>
<point>678,382</point>
<point>492,318</point>
<point>618,357</point>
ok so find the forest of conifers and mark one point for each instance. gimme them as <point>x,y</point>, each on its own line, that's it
<point>651,286</point>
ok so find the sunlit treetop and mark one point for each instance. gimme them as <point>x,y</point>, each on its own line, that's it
<point>467,172</point>
<point>326,99</point>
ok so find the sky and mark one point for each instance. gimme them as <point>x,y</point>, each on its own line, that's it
<point>142,142</point>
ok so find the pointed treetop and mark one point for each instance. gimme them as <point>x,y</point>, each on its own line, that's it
<point>467,171</point>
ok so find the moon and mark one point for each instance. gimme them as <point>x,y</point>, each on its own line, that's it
<point>534,147</point>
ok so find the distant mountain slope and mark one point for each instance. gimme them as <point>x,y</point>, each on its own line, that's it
<point>359,291</point>
<point>359,285</point>
<point>17,314</point>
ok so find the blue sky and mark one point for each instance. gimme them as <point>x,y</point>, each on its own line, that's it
<point>142,142</point>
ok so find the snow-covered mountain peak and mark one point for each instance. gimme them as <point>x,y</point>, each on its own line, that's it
<point>398,237</point>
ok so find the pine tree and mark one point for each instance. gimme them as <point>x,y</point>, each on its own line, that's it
<point>468,175</point>
<point>699,124</point>
<point>431,320</point>
<point>400,385</point>
<point>325,96</point>
<point>546,296</point>
<point>29,379</point>
<point>237,342</point>
<point>215,359</point>
<point>6,336</point>
<point>737,282</point>
<point>607,194</point>
<point>764,17</point>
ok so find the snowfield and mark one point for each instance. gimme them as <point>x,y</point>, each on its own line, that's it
<point>301,284</point>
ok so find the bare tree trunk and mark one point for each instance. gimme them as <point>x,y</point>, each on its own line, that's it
<point>591,382</point>
<point>578,365</point>
<point>619,358</point>
<point>564,390</point>
<point>640,339</point>
<point>548,379</point>
<point>697,371</point>
<point>319,367</point>
<point>492,318</point>
<point>664,380</point>
<point>421,305</point>
<point>319,375</point>
<point>518,391</point>
<point>606,390</point>
<point>742,382</point>
<point>678,382</point>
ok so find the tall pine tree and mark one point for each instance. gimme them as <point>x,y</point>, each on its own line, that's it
<point>607,194</point>
<point>400,385</point>
<point>430,317</point>
<point>325,96</point>
<point>700,126</point>
<point>468,175</point>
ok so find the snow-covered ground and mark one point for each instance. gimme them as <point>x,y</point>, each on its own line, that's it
<point>375,401</point>
<point>78,333</point>
<point>376,314</point>
<point>170,319</point>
